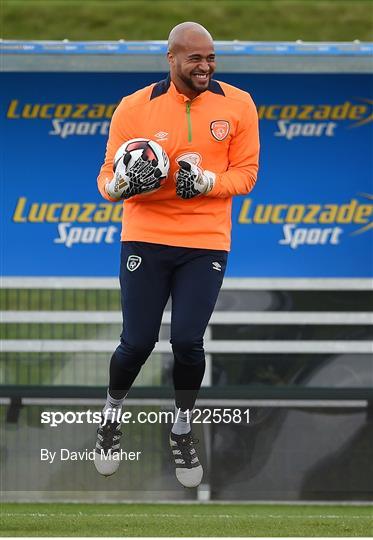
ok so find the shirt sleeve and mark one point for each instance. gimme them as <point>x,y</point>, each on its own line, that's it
<point>117,136</point>
<point>243,155</point>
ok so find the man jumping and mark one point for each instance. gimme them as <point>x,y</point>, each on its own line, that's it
<point>179,233</point>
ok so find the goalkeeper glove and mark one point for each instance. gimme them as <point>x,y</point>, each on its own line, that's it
<point>192,181</point>
<point>142,177</point>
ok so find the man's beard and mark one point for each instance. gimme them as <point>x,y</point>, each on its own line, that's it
<point>190,84</point>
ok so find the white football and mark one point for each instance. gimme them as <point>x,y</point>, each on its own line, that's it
<point>148,150</point>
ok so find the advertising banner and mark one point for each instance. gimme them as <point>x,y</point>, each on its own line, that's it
<point>310,214</point>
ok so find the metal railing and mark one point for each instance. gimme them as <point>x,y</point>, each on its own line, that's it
<point>234,347</point>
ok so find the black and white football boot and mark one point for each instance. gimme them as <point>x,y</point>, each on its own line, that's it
<point>189,471</point>
<point>107,451</point>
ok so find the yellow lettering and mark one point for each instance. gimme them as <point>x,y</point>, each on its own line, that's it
<point>351,212</point>
<point>276,218</point>
<point>17,216</point>
<point>110,110</point>
<point>312,210</point>
<point>295,213</point>
<point>244,212</point>
<point>339,112</point>
<point>37,212</point>
<point>12,109</point>
<point>262,213</point>
<point>328,215</point>
<point>322,112</point>
<point>270,115</point>
<point>363,213</point>
<point>70,212</point>
<point>97,111</point>
<point>80,108</point>
<point>288,112</point>
<point>30,111</point>
<point>305,112</point>
<point>63,110</point>
<point>346,211</point>
<point>85,216</point>
<point>44,110</point>
<point>357,112</point>
<point>51,217</point>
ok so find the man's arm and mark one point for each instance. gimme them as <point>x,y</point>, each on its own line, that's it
<point>242,171</point>
<point>117,136</point>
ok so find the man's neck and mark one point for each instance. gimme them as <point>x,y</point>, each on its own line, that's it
<point>182,88</point>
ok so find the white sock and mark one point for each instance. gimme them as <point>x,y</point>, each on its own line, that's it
<point>182,421</point>
<point>113,407</point>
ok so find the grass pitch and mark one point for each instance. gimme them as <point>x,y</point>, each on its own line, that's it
<point>184,520</point>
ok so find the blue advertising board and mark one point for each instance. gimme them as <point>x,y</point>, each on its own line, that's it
<point>310,214</point>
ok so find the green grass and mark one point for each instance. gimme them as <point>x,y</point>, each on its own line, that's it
<point>184,520</point>
<point>257,20</point>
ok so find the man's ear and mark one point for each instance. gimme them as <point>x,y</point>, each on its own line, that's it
<point>170,58</point>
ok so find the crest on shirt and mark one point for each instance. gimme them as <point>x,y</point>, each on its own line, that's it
<point>220,129</point>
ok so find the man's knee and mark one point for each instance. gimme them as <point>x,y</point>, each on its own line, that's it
<point>133,354</point>
<point>188,351</point>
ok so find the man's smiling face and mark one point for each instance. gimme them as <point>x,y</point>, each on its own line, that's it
<point>192,64</point>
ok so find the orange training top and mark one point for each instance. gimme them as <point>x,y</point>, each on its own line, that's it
<point>218,131</point>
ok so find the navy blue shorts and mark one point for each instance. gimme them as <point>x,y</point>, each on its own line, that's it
<point>151,273</point>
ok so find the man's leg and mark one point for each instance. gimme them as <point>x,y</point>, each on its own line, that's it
<point>195,288</point>
<point>145,288</point>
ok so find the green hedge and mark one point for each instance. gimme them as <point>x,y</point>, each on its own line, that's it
<point>250,20</point>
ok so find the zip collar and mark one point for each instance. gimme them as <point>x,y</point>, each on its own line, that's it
<point>173,91</point>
